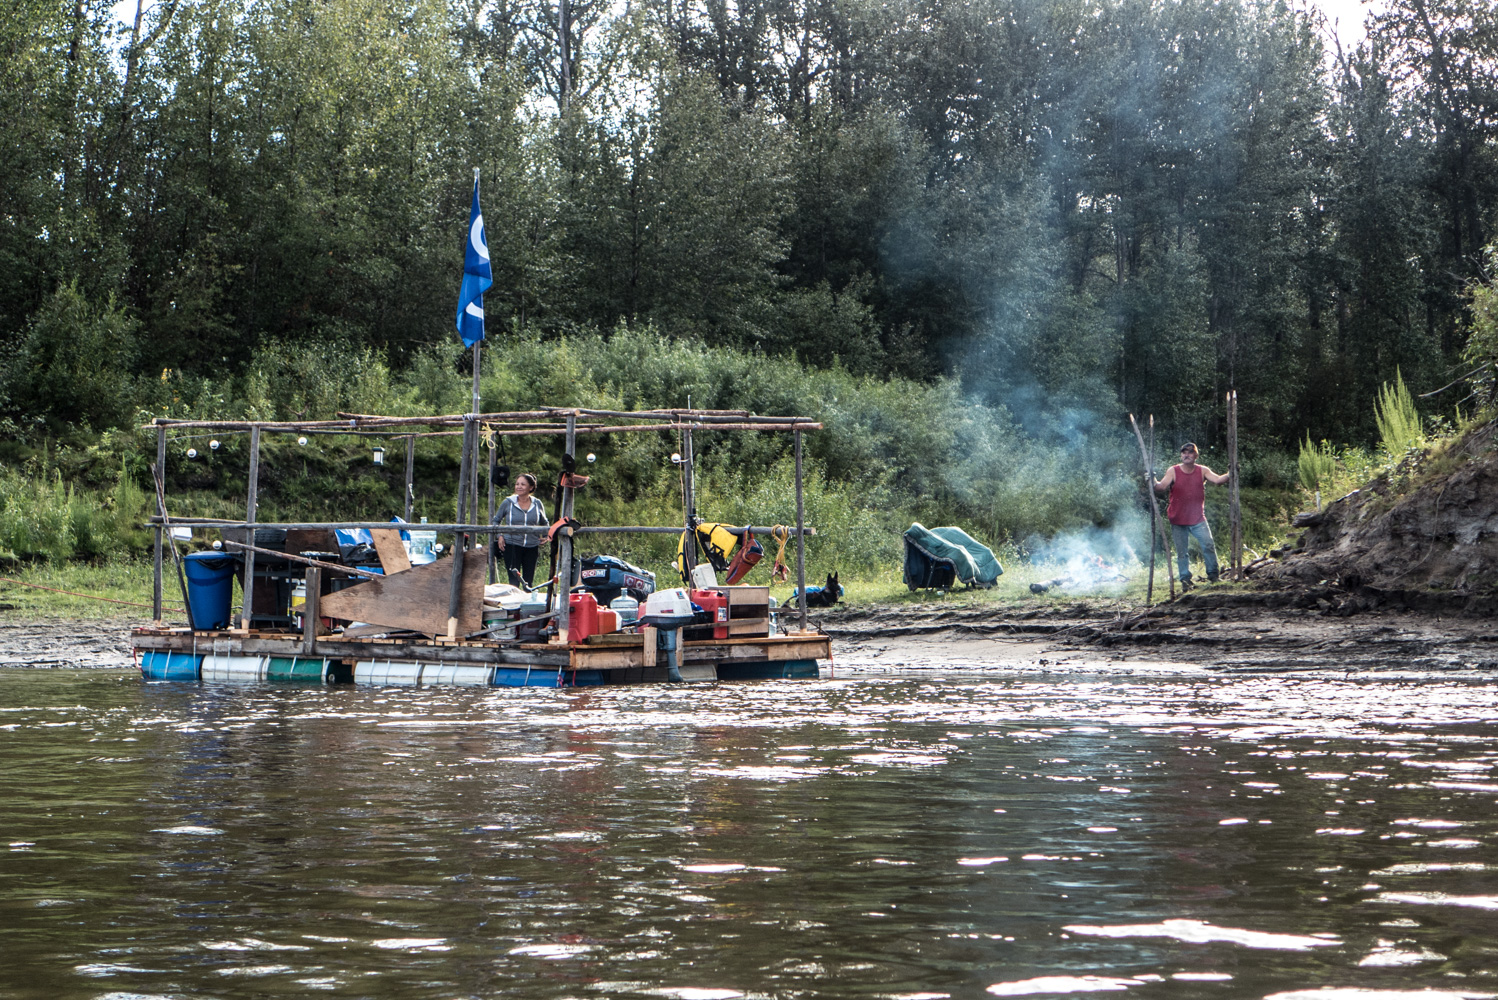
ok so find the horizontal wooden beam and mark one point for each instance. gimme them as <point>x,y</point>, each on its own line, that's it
<point>476,529</point>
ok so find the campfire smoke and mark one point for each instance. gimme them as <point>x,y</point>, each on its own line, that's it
<point>1089,562</point>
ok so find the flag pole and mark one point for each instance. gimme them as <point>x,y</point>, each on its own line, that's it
<point>471,485</point>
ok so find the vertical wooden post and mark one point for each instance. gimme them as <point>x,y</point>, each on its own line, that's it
<point>311,609</point>
<point>1149,484</point>
<point>460,538</point>
<point>800,536</point>
<point>410,475</point>
<point>489,539</point>
<point>246,613</point>
<point>1235,512</point>
<point>564,548</point>
<point>473,469</point>
<point>156,556</point>
<point>689,504</point>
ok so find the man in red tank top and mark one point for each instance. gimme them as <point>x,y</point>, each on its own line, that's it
<point>1187,511</point>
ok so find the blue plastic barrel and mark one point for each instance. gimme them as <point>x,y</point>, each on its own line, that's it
<point>210,588</point>
<point>160,665</point>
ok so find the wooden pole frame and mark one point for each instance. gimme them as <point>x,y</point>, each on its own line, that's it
<point>563,568</point>
<point>688,504</point>
<point>158,474</point>
<point>252,501</point>
<point>488,541</point>
<point>800,537</point>
<point>460,539</point>
<point>685,421</point>
<point>410,476</point>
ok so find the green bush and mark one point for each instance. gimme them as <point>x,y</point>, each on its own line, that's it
<point>43,517</point>
<point>1399,427</point>
<point>1317,463</point>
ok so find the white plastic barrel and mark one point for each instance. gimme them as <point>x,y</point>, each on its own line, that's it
<point>396,673</point>
<point>461,674</point>
<point>230,668</point>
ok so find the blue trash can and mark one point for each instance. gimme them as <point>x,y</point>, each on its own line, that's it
<point>210,588</point>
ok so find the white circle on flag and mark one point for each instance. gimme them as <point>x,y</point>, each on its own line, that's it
<point>475,310</point>
<point>476,237</point>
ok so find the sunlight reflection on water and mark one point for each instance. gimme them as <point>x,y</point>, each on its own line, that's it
<point>880,836</point>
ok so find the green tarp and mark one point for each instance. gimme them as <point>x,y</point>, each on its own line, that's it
<point>971,560</point>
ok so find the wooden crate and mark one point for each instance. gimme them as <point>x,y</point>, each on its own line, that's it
<point>748,611</point>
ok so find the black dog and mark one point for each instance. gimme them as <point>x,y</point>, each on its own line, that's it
<point>824,597</point>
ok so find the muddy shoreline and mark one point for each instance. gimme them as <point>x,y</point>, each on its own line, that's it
<point>1277,631</point>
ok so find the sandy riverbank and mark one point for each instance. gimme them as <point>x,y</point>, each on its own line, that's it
<point>1225,630</point>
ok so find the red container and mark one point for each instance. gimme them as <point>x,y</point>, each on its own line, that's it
<point>715,603</point>
<point>582,617</point>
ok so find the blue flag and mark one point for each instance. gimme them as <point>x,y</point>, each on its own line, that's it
<point>477,275</point>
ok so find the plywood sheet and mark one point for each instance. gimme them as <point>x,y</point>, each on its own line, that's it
<point>416,599</point>
<point>393,557</point>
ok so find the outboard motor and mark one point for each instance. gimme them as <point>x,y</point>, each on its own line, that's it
<point>669,611</point>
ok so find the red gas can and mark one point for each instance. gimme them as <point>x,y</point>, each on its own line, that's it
<point>715,603</point>
<point>582,617</point>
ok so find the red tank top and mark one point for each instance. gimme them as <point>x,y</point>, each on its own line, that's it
<point>1188,498</point>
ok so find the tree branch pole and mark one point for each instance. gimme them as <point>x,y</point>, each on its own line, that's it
<point>305,561</point>
<point>156,476</point>
<point>563,570</point>
<point>410,475</point>
<point>1149,593</point>
<point>473,468</point>
<point>460,540</point>
<point>800,537</point>
<point>689,504</point>
<point>159,473</point>
<point>488,540</point>
<point>1149,482</point>
<point>246,614</point>
<point>1235,510</point>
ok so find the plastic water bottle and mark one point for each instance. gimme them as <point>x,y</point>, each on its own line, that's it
<point>422,546</point>
<point>627,608</point>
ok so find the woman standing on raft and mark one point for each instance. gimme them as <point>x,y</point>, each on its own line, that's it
<point>1187,511</point>
<point>521,510</point>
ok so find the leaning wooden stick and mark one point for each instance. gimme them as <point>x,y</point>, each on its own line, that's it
<point>1235,511</point>
<point>166,524</point>
<point>350,570</point>
<point>1149,482</point>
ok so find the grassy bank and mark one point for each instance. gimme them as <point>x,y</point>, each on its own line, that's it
<point>38,591</point>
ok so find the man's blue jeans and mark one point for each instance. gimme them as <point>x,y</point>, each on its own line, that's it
<point>1180,534</point>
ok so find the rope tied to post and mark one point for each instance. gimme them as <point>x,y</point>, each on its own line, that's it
<point>780,572</point>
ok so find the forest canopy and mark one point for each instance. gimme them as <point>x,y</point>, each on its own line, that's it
<point>1067,206</point>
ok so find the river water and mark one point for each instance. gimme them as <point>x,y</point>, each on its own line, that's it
<point>912,837</point>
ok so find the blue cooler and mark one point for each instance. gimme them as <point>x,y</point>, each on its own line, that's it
<point>210,588</point>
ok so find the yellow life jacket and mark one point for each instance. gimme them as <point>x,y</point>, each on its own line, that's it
<point>715,544</point>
